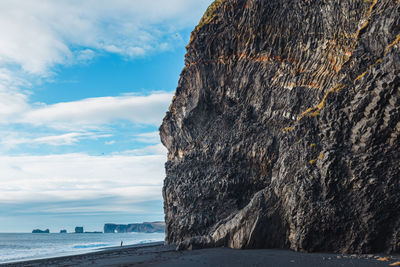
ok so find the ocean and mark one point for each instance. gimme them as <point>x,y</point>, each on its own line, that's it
<point>19,247</point>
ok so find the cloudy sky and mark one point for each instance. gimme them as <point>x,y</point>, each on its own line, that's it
<point>84,86</point>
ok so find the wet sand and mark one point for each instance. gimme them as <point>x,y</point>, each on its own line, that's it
<point>156,254</point>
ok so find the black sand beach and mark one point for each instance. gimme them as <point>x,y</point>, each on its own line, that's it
<point>156,254</point>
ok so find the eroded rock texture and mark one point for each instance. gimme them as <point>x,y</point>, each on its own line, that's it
<point>285,128</point>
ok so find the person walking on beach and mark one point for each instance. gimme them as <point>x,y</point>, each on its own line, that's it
<point>121,243</point>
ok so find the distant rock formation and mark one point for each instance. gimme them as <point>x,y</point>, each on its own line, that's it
<point>95,232</point>
<point>63,231</point>
<point>38,231</point>
<point>146,227</point>
<point>284,131</point>
<point>78,230</point>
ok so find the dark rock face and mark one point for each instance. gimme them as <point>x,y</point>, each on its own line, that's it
<point>78,230</point>
<point>63,231</point>
<point>284,131</point>
<point>146,227</point>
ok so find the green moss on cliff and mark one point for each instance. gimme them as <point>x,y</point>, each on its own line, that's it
<point>210,14</point>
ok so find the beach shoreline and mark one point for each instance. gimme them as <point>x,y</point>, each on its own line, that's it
<point>158,254</point>
<point>28,247</point>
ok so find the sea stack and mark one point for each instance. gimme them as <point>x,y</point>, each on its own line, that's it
<point>38,231</point>
<point>284,131</point>
<point>79,230</point>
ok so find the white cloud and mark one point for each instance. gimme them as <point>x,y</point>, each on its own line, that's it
<point>12,100</point>
<point>37,35</point>
<point>151,138</point>
<point>11,103</point>
<point>158,149</point>
<point>111,142</point>
<point>74,177</point>
<point>57,140</point>
<point>13,139</point>
<point>85,55</point>
<point>91,112</point>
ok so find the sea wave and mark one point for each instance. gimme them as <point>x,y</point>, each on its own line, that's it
<point>93,245</point>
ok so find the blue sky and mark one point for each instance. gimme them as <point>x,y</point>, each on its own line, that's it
<point>84,86</point>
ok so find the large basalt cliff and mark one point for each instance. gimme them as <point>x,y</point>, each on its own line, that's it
<point>284,130</point>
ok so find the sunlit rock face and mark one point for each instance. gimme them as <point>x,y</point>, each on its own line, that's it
<point>284,130</point>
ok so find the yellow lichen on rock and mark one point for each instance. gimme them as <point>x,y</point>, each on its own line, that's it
<point>288,129</point>
<point>383,259</point>
<point>395,42</point>
<point>368,15</point>
<point>314,111</point>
